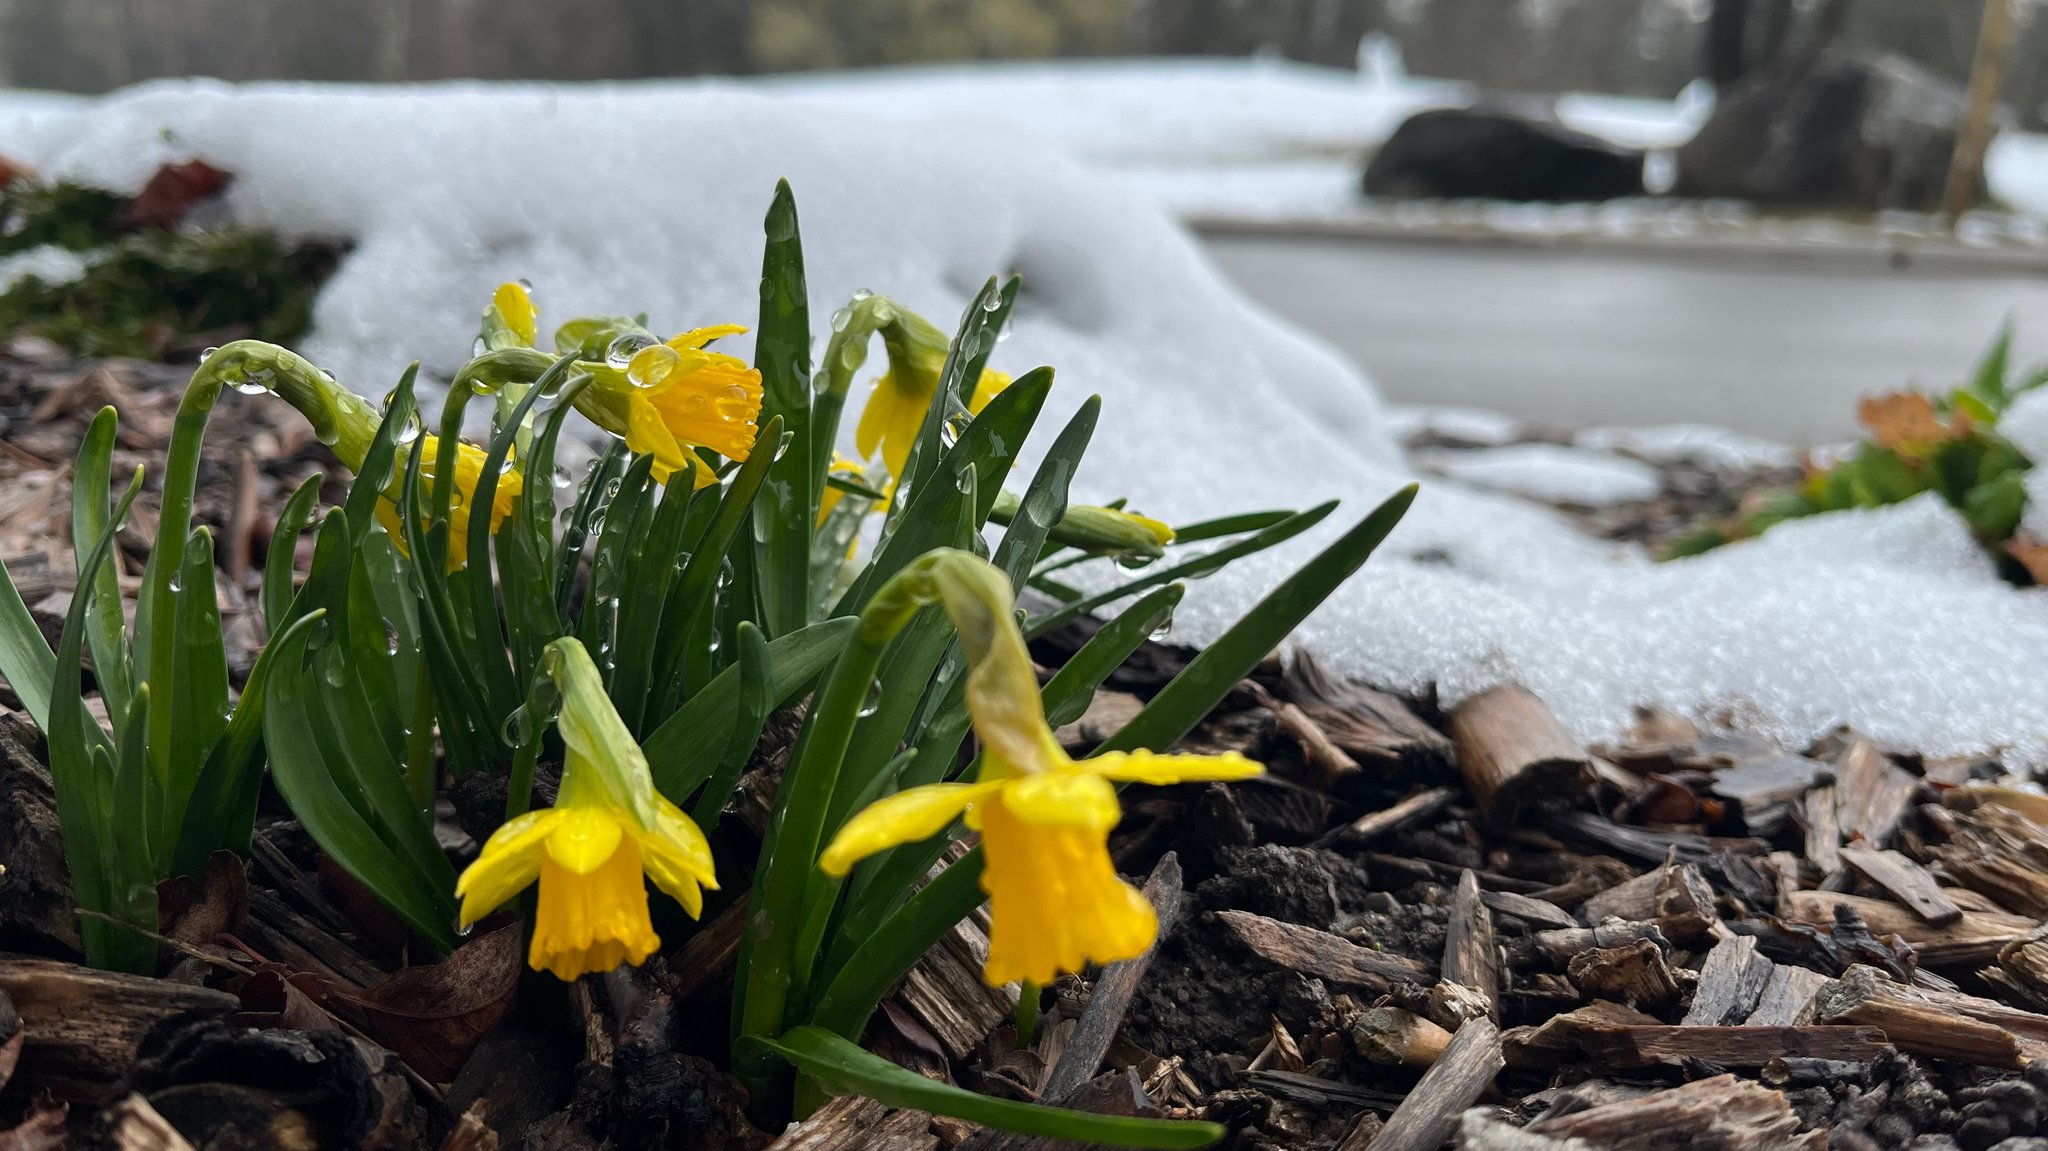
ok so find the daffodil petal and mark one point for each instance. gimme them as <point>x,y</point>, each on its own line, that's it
<point>987,388</point>
<point>1145,767</point>
<point>648,434</point>
<point>584,838</point>
<point>678,858</point>
<point>698,337</point>
<point>1063,799</point>
<point>509,861</point>
<point>907,816</point>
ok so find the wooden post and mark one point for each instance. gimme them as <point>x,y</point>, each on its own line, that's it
<point>1994,36</point>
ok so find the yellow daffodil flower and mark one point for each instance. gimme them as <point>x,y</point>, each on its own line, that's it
<point>895,410</point>
<point>841,466</point>
<point>589,852</point>
<point>1056,902</point>
<point>674,396</point>
<point>469,467</point>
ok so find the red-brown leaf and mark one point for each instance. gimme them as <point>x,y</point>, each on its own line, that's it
<point>434,1016</point>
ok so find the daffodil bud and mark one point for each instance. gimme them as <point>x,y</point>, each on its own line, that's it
<point>1109,531</point>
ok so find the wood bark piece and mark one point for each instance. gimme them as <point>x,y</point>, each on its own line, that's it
<point>1676,897</point>
<point>1823,830</point>
<point>2002,854</point>
<point>1534,912</point>
<point>856,1123</point>
<point>1374,824</point>
<point>706,960</point>
<point>1513,754</point>
<point>1374,727</point>
<point>1110,998</point>
<point>80,1026</point>
<point>1558,1039</point>
<point>1559,946</point>
<point>1322,954</point>
<point>1330,762</point>
<point>1636,974</point>
<point>133,1125</point>
<point>946,993</point>
<point>1730,1046</point>
<point>1719,1112</point>
<point>1470,958</point>
<point>1938,1025</point>
<point>1871,793</point>
<point>1906,881</point>
<point>1430,1112</point>
<point>1731,982</point>
<point>1787,998</point>
<point>1392,1035</point>
<point>1974,939</point>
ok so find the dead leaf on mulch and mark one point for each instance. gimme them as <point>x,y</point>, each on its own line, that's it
<point>434,1016</point>
<point>2033,556</point>
<point>171,193</point>
<point>276,996</point>
<point>1906,421</point>
<point>195,910</point>
<point>41,1129</point>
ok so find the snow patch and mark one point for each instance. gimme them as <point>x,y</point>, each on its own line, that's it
<point>49,263</point>
<point>1550,472</point>
<point>1677,443</point>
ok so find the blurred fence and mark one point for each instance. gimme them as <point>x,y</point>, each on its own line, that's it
<point>1643,47</point>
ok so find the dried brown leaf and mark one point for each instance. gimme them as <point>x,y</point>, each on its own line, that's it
<point>434,1016</point>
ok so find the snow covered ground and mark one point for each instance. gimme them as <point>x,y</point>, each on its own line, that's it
<point>648,197</point>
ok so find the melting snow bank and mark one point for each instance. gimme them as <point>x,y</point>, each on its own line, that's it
<point>648,197</point>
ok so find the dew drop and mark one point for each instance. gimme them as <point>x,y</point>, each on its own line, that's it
<point>505,466</point>
<point>1133,561</point>
<point>620,352</point>
<point>860,294</point>
<point>561,478</point>
<point>333,668</point>
<point>965,481</point>
<point>851,357</point>
<point>1165,627</point>
<point>207,354</point>
<point>841,318</point>
<point>651,365</point>
<point>954,427</point>
<point>525,284</point>
<point>872,702</point>
<point>992,302</point>
<point>463,930</point>
<point>177,583</point>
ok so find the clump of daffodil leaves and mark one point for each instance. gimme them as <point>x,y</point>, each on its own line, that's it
<point>471,607</point>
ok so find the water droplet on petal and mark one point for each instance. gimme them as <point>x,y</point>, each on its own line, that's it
<point>620,352</point>
<point>651,365</point>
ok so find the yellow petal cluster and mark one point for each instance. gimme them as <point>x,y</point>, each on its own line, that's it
<point>679,395</point>
<point>608,828</point>
<point>469,468</point>
<point>1055,901</point>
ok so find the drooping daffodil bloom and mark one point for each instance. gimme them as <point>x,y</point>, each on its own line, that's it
<point>608,829</point>
<point>894,415</point>
<point>1056,902</point>
<point>672,397</point>
<point>469,468</point>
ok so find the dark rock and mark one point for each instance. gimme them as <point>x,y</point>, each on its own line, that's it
<point>1494,154</point>
<point>1852,129</point>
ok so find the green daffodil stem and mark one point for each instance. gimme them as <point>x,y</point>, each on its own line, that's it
<point>772,969</point>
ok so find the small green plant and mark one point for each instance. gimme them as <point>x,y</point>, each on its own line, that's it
<point>719,561</point>
<point>1917,443</point>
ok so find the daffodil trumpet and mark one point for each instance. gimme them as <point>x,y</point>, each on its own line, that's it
<point>592,853</point>
<point>669,398</point>
<point>1056,903</point>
